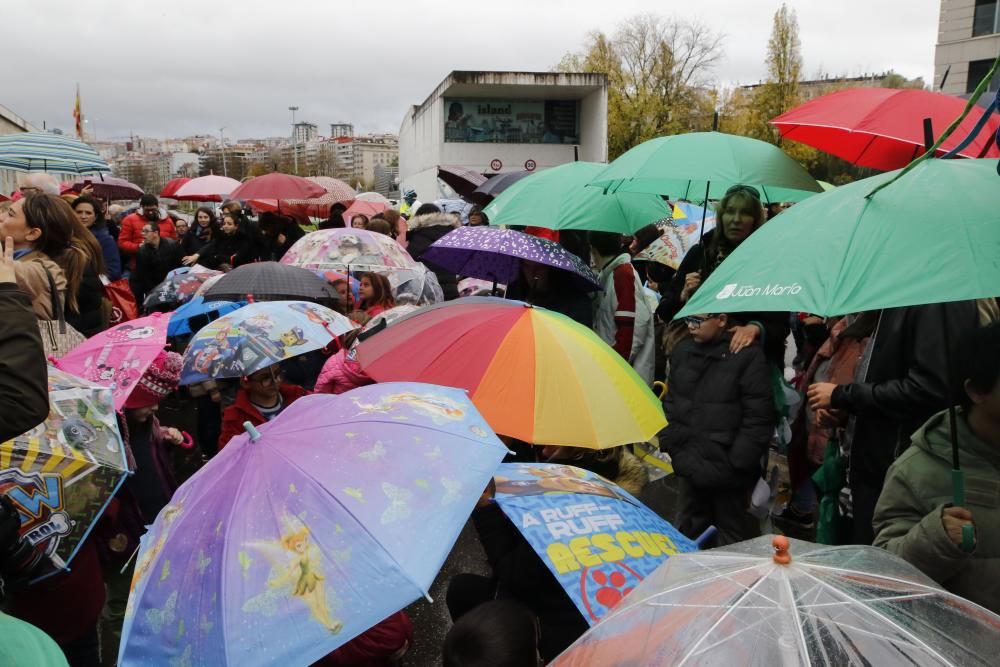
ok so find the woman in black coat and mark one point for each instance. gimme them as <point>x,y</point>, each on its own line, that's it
<point>204,228</point>
<point>427,226</point>
<point>231,248</point>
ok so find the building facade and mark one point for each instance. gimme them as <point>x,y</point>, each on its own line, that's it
<point>968,43</point>
<point>338,130</point>
<point>305,132</point>
<point>373,151</point>
<point>493,122</point>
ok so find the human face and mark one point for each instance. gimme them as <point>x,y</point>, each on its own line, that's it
<point>151,212</point>
<point>358,222</point>
<point>365,290</point>
<point>263,385</point>
<point>141,415</point>
<point>738,217</point>
<point>181,227</point>
<point>15,225</point>
<point>343,291</point>
<point>85,213</point>
<point>475,219</point>
<point>228,226</point>
<point>203,219</point>
<point>150,234</point>
<point>705,328</point>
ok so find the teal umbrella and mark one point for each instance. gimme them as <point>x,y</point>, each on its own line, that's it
<point>44,151</point>
<point>558,198</point>
<point>689,166</point>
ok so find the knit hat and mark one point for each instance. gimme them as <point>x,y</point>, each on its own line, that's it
<point>159,381</point>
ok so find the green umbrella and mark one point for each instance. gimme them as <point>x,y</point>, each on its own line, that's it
<point>684,165</point>
<point>558,198</point>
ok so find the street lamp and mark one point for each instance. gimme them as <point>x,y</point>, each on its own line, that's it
<point>295,141</point>
<point>222,147</point>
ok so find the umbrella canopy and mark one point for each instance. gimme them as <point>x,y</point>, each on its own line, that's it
<point>535,375</point>
<point>61,474</point>
<point>180,319</point>
<point>496,184</point>
<point>548,503</point>
<point>497,254</point>
<point>845,252</point>
<point>270,281</point>
<point>477,287</point>
<point>366,208</point>
<point>683,165</point>
<point>170,189</point>
<point>389,316</point>
<point>337,192</point>
<point>277,186</point>
<point>883,128</point>
<point>558,198</point>
<point>44,151</point>
<point>179,286</point>
<point>110,187</point>
<point>745,605</point>
<point>118,357</point>
<point>283,548</point>
<point>257,336</point>
<point>463,181</point>
<point>678,234</point>
<point>372,197</point>
<point>206,188</point>
<point>345,248</point>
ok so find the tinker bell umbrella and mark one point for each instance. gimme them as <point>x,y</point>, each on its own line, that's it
<point>300,535</point>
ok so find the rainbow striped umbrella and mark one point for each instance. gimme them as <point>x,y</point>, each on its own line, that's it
<point>535,375</point>
<point>44,151</point>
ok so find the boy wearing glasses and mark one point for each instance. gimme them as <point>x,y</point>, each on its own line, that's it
<point>720,414</point>
<point>261,398</point>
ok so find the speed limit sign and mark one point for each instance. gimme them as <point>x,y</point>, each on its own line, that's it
<point>496,164</point>
<point>529,165</point>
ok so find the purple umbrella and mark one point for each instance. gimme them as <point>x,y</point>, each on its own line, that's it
<point>496,254</point>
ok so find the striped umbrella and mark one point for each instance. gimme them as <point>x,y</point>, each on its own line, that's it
<point>43,151</point>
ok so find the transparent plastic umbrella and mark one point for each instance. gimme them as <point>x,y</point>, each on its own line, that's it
<point>756,603</point>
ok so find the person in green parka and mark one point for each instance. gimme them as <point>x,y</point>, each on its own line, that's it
<point>914,518</point>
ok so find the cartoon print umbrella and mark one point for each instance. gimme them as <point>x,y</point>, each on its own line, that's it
<point>257,336</point>
<point>497,254</point>
<point>118,357</point>
<point>678,234</point>
<point>180,319</point>
<point>597,540</point>
<point>283,548</point>
<point>179,286</point>
<point>348,249</point>
<point>776,601</point>
<point>61,474</point>
<point>536,375</point>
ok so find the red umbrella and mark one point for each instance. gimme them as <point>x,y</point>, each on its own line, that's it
<point>170,189</point>
<point>206,188</point>
<point>318,207</point>
<point>883,128</point>
<point>277,186</point>
<point>109,187</point>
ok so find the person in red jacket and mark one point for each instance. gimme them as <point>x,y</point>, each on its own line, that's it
<point>261,398</point>
<point>130,237</point>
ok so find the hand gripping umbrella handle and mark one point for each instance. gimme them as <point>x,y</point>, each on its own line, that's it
<point>958,500</point>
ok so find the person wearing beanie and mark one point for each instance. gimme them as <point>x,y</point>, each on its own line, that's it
<point>130,236</point>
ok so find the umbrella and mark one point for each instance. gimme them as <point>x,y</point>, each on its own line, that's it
<point>417,286</point>
<point>44,151</point>
<point>366,208</point>
<point>535,375</point>
<point>337,191</point>
<point>284,547</point>
<point>882,128</point>
<point>497,254</point>
<point>180,319</point>
<point>109,187</point>
<point>179,286</point>
<point>747,604</point>
<point>687,166</point>
<point>389,316</point>
<point>270,281</point>
<point>598,541</point>
<point>463,181</point>
<point>206,188</point>
<point>277,186</point>
<point>348,249</point>
<point>372,197</point>
<point>496,184</point>
<point>257,336</point>
<point>61,474</point>
<point>559,198</point>
<point>170,189</point>
<point>678,234</point>
<point>117,358</point>
<point>477,287</point>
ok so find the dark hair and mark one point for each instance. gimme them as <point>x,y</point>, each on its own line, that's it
<point>360,215</point>
<point>645,236</point>
<point>382,289</point>
<point>477,210</point>
<point>212,222</point>
<point>96,205</point>
<point>380,226</point>
<point>499,633</point>
<point>148,200</point>
<point>605,243</point>
<point>977,361</point>
<point>71,251</point>
<point>426,209</point>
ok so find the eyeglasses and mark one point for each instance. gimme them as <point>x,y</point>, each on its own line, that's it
<point>744,189</point>
<point>693,321</point>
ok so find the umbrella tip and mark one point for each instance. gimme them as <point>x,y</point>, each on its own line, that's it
<point>781,555</point>
<point>252,430</point>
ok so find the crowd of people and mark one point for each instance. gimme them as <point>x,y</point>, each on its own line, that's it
<point>868,456</point>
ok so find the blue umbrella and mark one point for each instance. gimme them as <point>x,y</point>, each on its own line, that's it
<point>180,319</point>
<point>44,151</point>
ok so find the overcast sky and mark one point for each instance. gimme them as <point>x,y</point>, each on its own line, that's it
<point>171,69</point>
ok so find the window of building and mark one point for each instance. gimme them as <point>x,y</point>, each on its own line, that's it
<point>984,20</point>
<point>511,121</point>
<point>977,70</point>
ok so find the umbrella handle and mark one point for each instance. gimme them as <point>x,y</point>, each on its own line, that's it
<point>705,536</point>
<point>660,389</point>
<point>958,500</point>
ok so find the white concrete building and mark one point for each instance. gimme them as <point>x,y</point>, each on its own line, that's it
<point>305,132</point>
<point>341,129</point>
<point>493,122</point>
<point>968,43</point>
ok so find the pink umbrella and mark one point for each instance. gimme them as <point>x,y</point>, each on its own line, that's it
<point>170,189</point>
<point>277,186</point>
<point>206,188</point>
<point>366,208</point>
<point>319,207</point>
<point>118,357</point>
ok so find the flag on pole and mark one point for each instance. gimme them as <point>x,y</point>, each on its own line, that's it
<point>78,114</point>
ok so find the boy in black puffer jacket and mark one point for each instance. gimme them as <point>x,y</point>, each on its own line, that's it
<point>720,410</point>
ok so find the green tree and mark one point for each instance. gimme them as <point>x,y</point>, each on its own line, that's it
<point>780,92</point>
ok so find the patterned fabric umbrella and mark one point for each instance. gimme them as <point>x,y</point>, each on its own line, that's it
<point>372,197</point>
<point>43,151</point>
<point>179,286</point>
<point>343,249</point>
<point>61,474</point>
<point>271,281</point>
<point>497,254</point>
<point>109,187</point>
<point>678,234</point>
<point>319,207</point>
